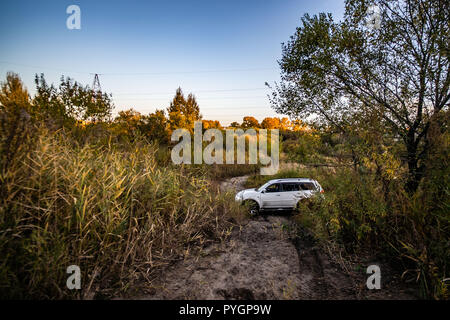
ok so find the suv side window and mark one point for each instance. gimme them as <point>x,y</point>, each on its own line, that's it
<point>290,187</point>
<point>273,188</point>
<point>308,186</point>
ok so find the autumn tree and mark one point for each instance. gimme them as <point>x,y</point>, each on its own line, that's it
<point>285,124</point>
<point>16,126</point>
<point>211,124</point>
<point>250,122</point>
<point>270,123</point>
<point>348,72</point>
<point>299,125</point>
<point>13,91</point>
<point>183,112</point>
<point>276,123</point>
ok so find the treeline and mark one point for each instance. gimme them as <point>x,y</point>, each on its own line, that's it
<point>77,107</point>
<point>182,113</point>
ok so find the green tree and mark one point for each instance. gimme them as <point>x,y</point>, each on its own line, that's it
<point>155,126</point>
<point>183,112</point>
<point>71,101</point>
<point>345,72</point>
<point>128,122</point>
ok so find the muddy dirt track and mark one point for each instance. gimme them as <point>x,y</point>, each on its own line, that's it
<point>266,259</point>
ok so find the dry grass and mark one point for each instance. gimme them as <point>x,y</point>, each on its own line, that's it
<point>111,210</point>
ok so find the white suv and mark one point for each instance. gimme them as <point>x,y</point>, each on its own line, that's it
<point>279,194</point>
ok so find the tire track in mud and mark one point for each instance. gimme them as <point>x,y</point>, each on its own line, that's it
<point>256,262</point>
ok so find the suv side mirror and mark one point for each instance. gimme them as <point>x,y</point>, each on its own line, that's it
<point>263,191</point>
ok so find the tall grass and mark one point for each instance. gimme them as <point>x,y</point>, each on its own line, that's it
<point>111,210</point>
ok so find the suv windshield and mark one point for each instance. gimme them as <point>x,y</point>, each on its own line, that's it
<point>262,187</point>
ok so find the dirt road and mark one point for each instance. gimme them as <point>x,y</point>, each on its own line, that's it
<point>265,259</point>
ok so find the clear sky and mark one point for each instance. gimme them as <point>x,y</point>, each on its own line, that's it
<point>221,51</point>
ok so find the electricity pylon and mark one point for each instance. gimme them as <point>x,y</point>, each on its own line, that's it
<point>96,88</point>
<point>96,84</point>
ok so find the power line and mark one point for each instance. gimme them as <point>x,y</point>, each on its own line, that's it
<point>48,68</point>
<point>196,91</point>
<point>198,98</point>
<point>220,108</point>
<point>187,72</point>
<point>142,73</point>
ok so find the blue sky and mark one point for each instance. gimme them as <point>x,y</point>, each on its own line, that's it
<point>222,51</point>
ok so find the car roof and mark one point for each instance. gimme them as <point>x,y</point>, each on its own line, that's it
<point>292,180</point>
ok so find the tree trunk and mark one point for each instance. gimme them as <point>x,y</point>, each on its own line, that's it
<point>414,174</point>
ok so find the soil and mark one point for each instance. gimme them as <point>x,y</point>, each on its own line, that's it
<point>270,257</point>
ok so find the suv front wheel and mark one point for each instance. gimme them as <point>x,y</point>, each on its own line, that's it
<point>253,207</point>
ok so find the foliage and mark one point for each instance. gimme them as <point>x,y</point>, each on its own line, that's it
<point>276,123</point>
<point>183,112</point>
<point>16,125</point>
<point>211,124</point>
<point>346,72</point>
<point>250,122</point>
<point>131,124</point>
<point>70,102</point>
<point>302,147</point>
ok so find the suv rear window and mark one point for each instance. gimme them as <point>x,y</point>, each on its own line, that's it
<point>308,186</point>
<point>289,187</point>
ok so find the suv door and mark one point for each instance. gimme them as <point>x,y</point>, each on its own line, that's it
<point>291,194</point>
<point>271,198</point>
